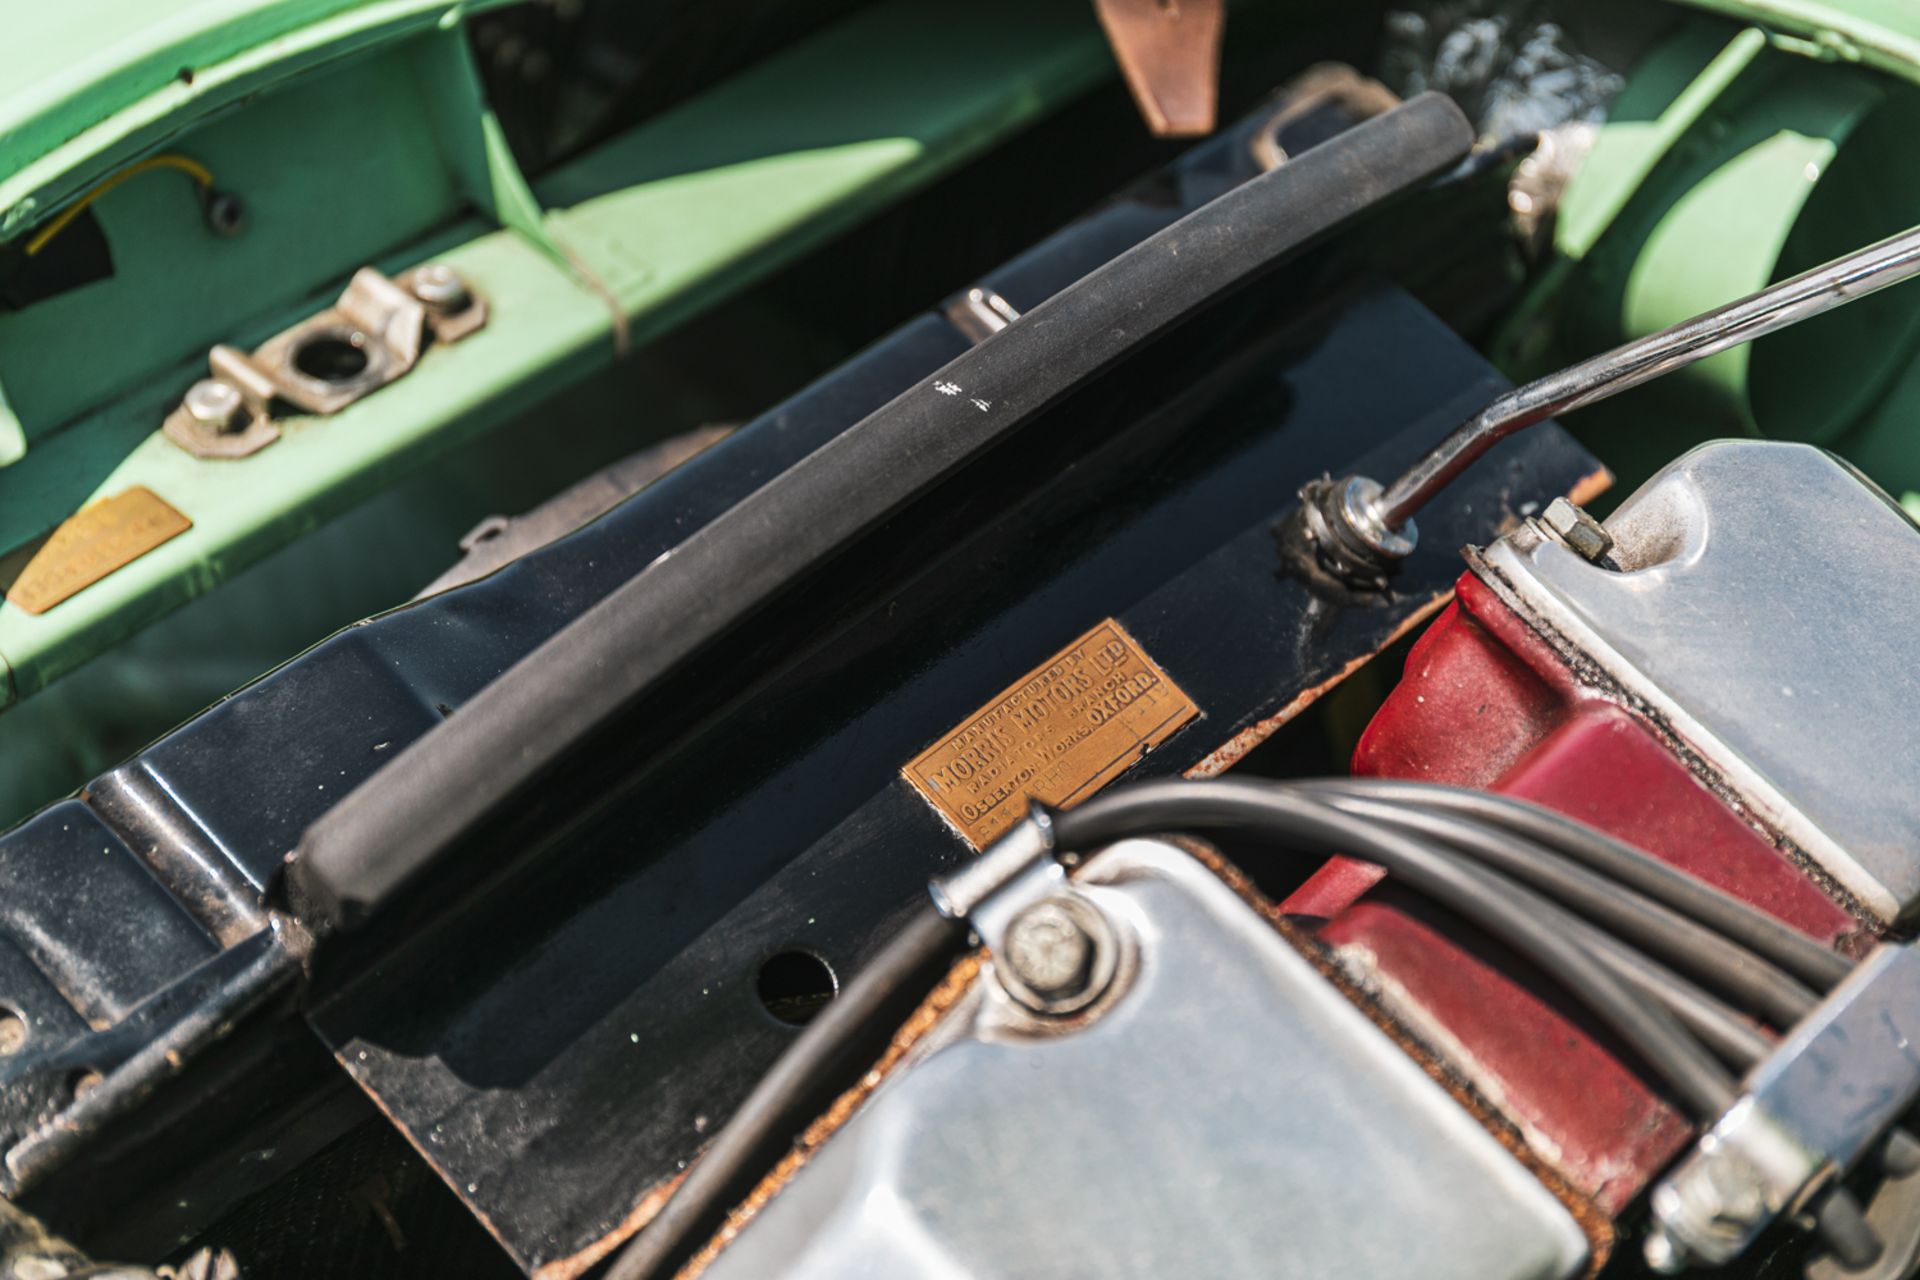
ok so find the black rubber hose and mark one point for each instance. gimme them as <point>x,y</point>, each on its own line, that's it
<point>450,782</point>
<point>1838,1218</point>
<point>1505,909</point>
<point>1757,985</point>
<point>841,1042</point>
<point>1719,1027</point>
<point>1752,928</point>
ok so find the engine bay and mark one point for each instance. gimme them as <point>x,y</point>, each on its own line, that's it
<point>1031,699</point>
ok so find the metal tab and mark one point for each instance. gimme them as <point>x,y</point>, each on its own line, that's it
<point>371,336</point>
<point>1852,1066</point>
<point>1170,56</point>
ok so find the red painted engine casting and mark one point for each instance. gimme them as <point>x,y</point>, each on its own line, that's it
<point>1486,703</point>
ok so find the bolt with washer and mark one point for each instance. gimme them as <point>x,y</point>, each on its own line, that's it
<point>1584,536</point>
<point>441,288</point>
<point>216,405</point>
<point>1057,956</point>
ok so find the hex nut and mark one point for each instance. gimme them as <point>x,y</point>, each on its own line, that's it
<point>215,405</point>
<point>1048,951</point>
<point>1058,955</point>
<point>440,288</point>
<point>1582,534</point>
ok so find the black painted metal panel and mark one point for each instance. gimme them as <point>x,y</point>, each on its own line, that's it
<point>560,1049</point>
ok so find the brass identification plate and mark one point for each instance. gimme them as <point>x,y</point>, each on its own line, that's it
<point>93,543</point>
<point>1057,736</point>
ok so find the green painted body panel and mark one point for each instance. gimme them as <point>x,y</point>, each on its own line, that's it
<point>65,68</point>
<point>1881,34</point>
<point>387,155</point>
<point>115,79</point>
<point>1736,157</point>
<point>1648,122</point>
<point>321,125</point>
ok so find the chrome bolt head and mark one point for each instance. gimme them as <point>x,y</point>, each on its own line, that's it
<point>441,288</point>
<point>216,405</point>
<point>1360,500</point>
<point>1058,955</point>
<point>1049,951</point>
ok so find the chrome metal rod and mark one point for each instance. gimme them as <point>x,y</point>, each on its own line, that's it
<point>1789,302</point>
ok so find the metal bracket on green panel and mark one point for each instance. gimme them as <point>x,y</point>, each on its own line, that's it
<point>1881,34</point>
<point>697,203</point>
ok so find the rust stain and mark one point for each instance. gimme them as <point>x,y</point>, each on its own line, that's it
<point>98,539</point>
<point>1230,753</point>
<point>923,1020</point>
<point>1590,486</point>
<point>644,1211</point>
<point>1058,734</point>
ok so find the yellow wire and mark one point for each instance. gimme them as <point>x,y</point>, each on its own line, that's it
<point>170,160</point>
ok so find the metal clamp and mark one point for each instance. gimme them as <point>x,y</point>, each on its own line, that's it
<point>1027,847</point>
<point>370,337</point>
<point>1054,951</point>
<point>1806,1114</point>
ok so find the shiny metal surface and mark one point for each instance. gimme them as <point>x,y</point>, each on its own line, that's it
<point>1745,1171</point>
<point>1223,1111</point>
<point>1852,1067</point>
<point>1819,1101</point>
<point>1360,506</point>
<point>1764,613</point>
<point>1027,848</point>
<point>980,313</point>
<point>1809,294</point>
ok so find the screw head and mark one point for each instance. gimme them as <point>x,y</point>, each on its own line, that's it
<point>215,405</point>
<point>223,213</point>
<point>441,288</point>
<point>1049,951</point>
<point>1584,536</point>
